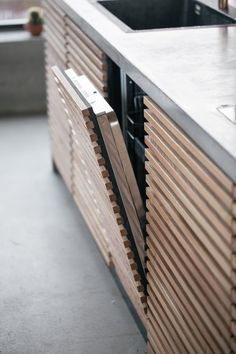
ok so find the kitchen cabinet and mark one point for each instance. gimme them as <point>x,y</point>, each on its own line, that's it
<point>93,190</point>
<point>77,153</point>
<point>191,203</point>
<point>190,243</point>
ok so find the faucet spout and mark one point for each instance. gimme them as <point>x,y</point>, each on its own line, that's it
<point>223,4</point>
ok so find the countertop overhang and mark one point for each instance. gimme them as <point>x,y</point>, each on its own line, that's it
<point>188,72</point>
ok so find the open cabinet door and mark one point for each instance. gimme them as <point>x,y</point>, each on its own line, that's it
<point>103,183</point>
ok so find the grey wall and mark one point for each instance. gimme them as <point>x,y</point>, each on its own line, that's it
<point>22,76</point>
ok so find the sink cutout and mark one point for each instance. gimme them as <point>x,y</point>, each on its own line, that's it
<point>138,15</point>
<point>229,111</point>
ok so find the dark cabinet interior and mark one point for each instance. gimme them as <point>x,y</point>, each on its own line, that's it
<point>126,98</point>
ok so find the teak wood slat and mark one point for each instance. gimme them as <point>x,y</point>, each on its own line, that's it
<point>190,227</point>
<point>85,57</point>
<point>76,151</point>
<point>190,146</point>
<point>78,43</point>
<point>87,41</point>
<point>93,191</point>
<point>55,53</point>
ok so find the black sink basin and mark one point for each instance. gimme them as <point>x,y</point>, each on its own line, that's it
<point>156,14</point>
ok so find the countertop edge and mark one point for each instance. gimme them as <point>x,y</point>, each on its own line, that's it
<point>223,159</point>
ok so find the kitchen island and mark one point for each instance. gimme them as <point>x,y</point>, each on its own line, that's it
<point>189,78</point>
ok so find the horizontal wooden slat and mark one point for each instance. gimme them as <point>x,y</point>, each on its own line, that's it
<point>50,15</point>
<point>86,40</point>
<point>197,298</point>
<point>54,7</point>
<point>101,74</point>
<point>91,186</point>
<point>189,319</point>
<point>157,337</point>
<point>58,36</point>
<point>185,155</point>
<point>216,246</point>
<point>158,146</point>
<point>211,333</point>
<point>199,283</point>
<point>190,240</point>
<point>206,270</point>
<point>82,68</point>
<point>207,217</point>
<point>190,146</point>
<point>78,43</point>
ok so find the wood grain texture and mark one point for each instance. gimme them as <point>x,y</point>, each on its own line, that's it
<point>86,58</point>
<point>59,127</point>
<point>94,195</point>
<point>125,178</point>
<point>190,245</point>
<point>75,148</point>
<point>190,146</point>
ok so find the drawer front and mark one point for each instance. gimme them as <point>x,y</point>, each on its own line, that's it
<point>85,57</point>
<point>189,245</point>
<point>94,193</point>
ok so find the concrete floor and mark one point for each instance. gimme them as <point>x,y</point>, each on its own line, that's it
<point>56,294</point>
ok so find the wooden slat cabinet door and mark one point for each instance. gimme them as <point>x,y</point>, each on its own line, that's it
<point>94,192</point>
<point>76,151</point>
<point>190,244</point>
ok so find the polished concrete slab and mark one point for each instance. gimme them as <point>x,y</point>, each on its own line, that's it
<point>56,294</point>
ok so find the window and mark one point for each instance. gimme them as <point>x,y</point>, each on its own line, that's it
<point>14,12</point>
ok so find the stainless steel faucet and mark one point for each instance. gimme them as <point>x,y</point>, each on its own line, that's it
<point>223,4</point>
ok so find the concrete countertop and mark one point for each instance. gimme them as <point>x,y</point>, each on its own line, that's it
<point>189,72</point>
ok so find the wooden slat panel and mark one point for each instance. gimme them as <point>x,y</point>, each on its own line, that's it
<point>78,43</point>
<point>87,41</point>
<point>185,309</point>
<point>158,338</point>
<point>195,260</point>
<point>184,154</point>
<point>56,35</point>
<point>56,44</point>
<point>190,146</point>
<point>90,184</point>
<point>84,200</point>
<point>55,52</point>
<point>80,66</point>
<point>78,52</point>
<point>190,242</point>
<point>124,176</point>
<point>55,8</point>
<point>85,57</point>
<point>194,295</point>
<point>159,147</point>
<point>62,127</point>
<point>219,251</point>
<point>51,16</point>
<point>197,283</point>
<point>150,347</point>
<point>205,215</point>
<point>211,334</point>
